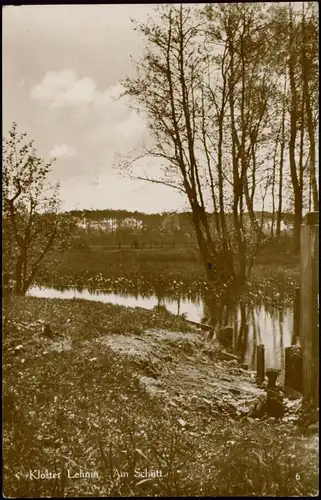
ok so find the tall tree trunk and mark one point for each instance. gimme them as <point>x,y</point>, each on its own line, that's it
<point>309,116</point>
<point>273,193</point>
<point>301,151</point>
<point>282,148</point>
<point>237,154</point>
<point>292,145</point>
<point>18,272</point>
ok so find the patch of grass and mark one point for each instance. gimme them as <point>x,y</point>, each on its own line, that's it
<point>171,263</point>
<point>172,273</point>
<point>278,251</point>
<point>160,309</point>
<point>85,320</point>
<point>148,264</point>
<point>85,409</point>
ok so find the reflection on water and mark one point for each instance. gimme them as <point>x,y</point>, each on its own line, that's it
<point>273,328</point>
<point>252,325</point>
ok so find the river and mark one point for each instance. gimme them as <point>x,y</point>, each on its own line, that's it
<point>269,326</point>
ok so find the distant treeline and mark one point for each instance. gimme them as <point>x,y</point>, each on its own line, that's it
<point>141,230</point>
<point>98,215</point>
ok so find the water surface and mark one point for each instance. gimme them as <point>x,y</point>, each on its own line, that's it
<point>269,326</point>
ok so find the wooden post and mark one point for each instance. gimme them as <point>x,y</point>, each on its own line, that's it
<point>260,362</point>
<point>272,375</point>
<point>274,403</point>
<point>309,308</point>
<point>293,368</point>
<point>225,336</point>
<point>296,316</point>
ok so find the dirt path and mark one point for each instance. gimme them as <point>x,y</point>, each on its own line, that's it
<point>184,369</point>
<point>186,372</point>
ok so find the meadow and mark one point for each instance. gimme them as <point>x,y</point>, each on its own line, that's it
<point>71,403</point>
<point>171,272</point>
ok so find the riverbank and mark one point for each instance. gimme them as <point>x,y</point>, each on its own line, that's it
<point>115,390</point>
<point>166,272</point>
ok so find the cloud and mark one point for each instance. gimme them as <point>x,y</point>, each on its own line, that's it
<point>21,83</point>
<point>61,150</point>
<point>130,129</point>
<point>96,121</point>
<point>64,88</point>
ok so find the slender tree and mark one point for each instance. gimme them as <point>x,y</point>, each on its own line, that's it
<point>32,223</point>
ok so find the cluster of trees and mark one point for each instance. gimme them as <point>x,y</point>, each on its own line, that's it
<point>230,92</point>
<point>135,229</point>
<point>32,224</point>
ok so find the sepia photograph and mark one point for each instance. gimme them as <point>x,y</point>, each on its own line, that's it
<point>160,250</point>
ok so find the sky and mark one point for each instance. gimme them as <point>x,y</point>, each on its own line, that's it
<point>62,67</point>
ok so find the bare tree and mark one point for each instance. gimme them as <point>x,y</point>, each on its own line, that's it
<point>168,89</point>
<point>190,116</point>
<point>223,108</point>
<point>296,40</point>
<point>282,143</point>
<point>240,102</point>
<point>32,223</point>
<point>309,72</point>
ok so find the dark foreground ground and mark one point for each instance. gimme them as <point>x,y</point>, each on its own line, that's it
<point>119,394</point>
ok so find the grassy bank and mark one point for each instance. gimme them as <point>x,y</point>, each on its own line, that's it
<point>71,404</point>
<point>169,272</point>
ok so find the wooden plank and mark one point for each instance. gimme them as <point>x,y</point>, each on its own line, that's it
<point>201,325</point>
<point>227,356</point>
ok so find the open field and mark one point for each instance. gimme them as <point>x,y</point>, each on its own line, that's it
<point>123,390</point>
